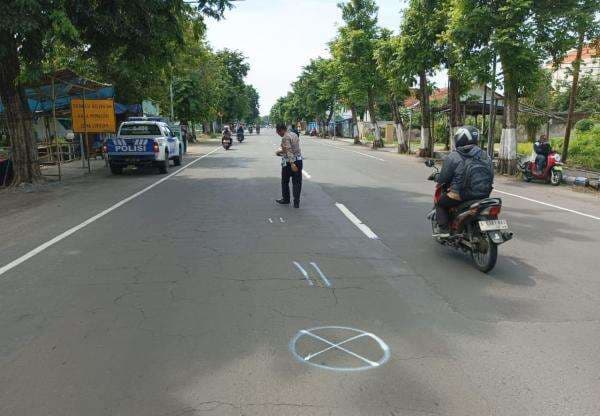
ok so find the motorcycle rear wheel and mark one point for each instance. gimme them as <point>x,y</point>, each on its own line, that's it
<point>485,257</point>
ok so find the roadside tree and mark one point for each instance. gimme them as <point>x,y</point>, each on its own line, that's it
<point>108,32</point>
<point>418,56</point>
<point>585,23</point>
<point>354,50</point>
<point>523,33</point>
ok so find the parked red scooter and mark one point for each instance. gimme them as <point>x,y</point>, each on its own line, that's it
<point>552,173</point>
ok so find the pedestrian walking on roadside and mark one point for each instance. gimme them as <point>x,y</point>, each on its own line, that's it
<point>291,165</point>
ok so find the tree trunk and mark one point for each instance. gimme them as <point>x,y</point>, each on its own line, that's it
<point>456,119</point>
<point>354,125</point>
<point>193,138</point>
<point>402,143</point>
<point>18,117</point>
<point>329,117</point>
<point>320,128</point>
<point>508,142</point>
<point>426,147</point>
<point>573,97</point>
<point>377,142</point>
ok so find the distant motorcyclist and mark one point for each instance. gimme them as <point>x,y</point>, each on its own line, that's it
<point>295,130</point>
<point>226,132</point>
<point>240,129</point>
<point>542,149</point>
<point>467,174</point>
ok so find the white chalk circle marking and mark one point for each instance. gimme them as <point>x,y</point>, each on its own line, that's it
<point>342,347</point>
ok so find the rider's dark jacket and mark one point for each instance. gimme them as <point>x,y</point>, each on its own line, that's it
<point>452,173</point>
<point>542,148</point>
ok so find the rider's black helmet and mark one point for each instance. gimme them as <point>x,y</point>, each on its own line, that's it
<point>466,135</point>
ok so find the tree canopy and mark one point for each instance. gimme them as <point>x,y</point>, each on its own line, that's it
<point>141,47</point>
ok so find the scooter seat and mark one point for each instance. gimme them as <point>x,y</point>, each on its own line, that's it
<point>486,202</point>
<point>477,203</point>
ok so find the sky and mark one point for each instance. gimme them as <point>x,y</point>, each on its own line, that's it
<point>279,37</point>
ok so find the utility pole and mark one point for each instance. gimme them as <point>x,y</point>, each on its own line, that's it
<point>490,146</point>
<point>171,95</point>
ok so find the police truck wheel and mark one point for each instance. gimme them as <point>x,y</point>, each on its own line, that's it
<point>164,166</point>
<point>116,170</point>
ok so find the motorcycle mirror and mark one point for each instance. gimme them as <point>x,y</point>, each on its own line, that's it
<point>430,163</point>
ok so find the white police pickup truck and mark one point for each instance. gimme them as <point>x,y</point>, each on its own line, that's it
<point>143,143</point>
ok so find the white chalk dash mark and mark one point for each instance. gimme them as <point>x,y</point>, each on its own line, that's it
<point>281,220</point>
<point>299,267</point>
<point>321,274</point>
<point>96,217</point>
<point>270,220</point>
<point>306,174</point>
<point>358,223</point>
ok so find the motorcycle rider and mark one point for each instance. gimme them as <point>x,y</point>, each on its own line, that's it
<point>240,130</point>
<point>295,130</point>
<point>467,173</point>
<point>542,149</point>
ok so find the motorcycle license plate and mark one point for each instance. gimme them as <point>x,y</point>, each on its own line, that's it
<point>492,225</point>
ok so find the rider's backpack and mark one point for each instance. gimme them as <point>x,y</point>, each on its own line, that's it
<point>478,178</point>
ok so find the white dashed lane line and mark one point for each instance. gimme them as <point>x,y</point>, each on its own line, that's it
<point>358,223</point>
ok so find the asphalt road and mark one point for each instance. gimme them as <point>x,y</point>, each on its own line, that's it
<point>189,298</point>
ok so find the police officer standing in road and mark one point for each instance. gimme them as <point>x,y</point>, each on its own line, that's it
<point>291,165</point>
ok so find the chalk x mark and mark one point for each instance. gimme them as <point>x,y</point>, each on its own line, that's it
<point>353,335</point>
<point>337,346</point>
<point>313,355</point>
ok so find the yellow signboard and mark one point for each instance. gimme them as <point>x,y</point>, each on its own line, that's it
<point>99,116</point>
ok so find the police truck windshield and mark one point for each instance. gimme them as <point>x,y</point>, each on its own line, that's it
<point>140,130</point>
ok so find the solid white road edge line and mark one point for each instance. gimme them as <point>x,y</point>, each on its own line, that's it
<point>96,217</point>
<point>354,220</point>
<point>548,205</point>
<point>348,150</point>
<point>306,174</point>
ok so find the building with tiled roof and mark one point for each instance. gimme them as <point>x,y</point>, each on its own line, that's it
<point>590,65</point>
